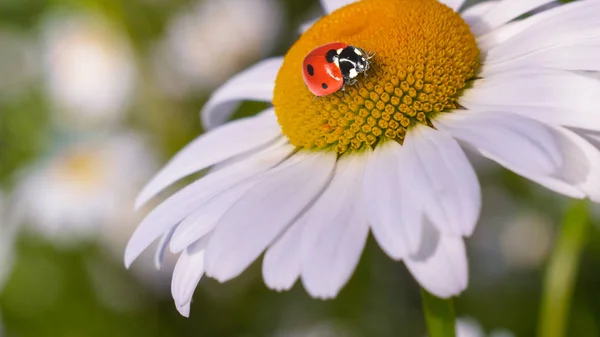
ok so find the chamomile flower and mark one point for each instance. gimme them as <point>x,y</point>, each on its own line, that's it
<point>206,43</point>
<point>468,327</point>
<point>89,70</point>
<point>305,181</point>
<point>82,187</point>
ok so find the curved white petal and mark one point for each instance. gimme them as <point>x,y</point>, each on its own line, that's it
<point>454,4</point>
<point>204,219</point>
<point>479,9</point>
<point>473,13</point>
<point>565,24</point>
<point>186,275</point>
<point>392,211</point>
<point>162,247</point>
<point>441,268</point>
<point>551,96</point>
<point>591,185</point>
<point>504,12</point>
<point>449,189</point>
<point>185,201</point>
<point>206,216</point>
<point>536,151</point>
<point>255,83</point>
<point>522,142</point>
<point>336,231</point>
<point>281,264</point>
<point>233,139</point>
<point>333,5</point>
<point>498,36</point>
<point>577,55</point>
<point>265,211</point>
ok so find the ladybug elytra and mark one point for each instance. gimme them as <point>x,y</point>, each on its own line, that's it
<point>332,66</point>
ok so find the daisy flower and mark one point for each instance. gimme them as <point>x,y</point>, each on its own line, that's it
<point>206,43</point>
<point>82,187</point>
<point>468,327</point>
<point>89,69</point>
<point>306,180</point>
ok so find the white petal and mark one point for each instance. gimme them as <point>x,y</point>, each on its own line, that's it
<point>336,231</point>
<point>162,247</point>
<point>256,83</point>
<point>205,218</point>
<point>449,189</point>
<point>498,36</point>
<point>185,201</point>
<point>332,5</point>
<point>393,213</point>
<point>468,327</point>
<point>281,264</point>
<point>473,13</point>
<point>518,141</point>
<point>487,42</point>
<point>538,152</point>
<point>504,12</point>
<point>441,268</point>
<point>454,4</point>
<point>479,9</point>
<point>233,139</point>
<point>186,275</point>
<point>591,185</point>
<point>561,25</point>
<point>265,211</point>
<point>551,96</point>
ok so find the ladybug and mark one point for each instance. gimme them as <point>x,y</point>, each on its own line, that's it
<point>332,66</point>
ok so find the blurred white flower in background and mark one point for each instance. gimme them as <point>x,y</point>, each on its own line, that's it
<point>8,231</point>
<point>90,70</point>
<point>525,241</point>
<point>517,236</point>
<point>206,44</point>
<point>18,63</point>
<point>85,186</point>
<point>468,327</point>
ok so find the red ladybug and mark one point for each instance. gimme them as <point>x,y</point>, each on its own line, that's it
<point>331,67</point>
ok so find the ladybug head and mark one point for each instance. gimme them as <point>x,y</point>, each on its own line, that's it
<point>364,62</point>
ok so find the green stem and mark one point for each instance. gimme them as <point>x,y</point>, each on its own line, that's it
<point>439,315</point>
<point>561,271</point>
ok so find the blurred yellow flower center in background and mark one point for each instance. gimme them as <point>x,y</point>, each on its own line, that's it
<point>84,169</point>
<point>424,55</point>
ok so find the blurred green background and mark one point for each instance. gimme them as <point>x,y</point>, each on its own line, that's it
<point>95,95</point>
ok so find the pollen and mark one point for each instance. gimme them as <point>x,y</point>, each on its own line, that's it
<point>425,55</point>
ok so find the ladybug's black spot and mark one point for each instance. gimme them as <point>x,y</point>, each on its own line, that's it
<point>331,55</point>
<point>324,86</point>
<point>310,70</point>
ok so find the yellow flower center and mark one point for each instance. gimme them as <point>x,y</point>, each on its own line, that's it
<point>84,170</point>
<point>424,55</point>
